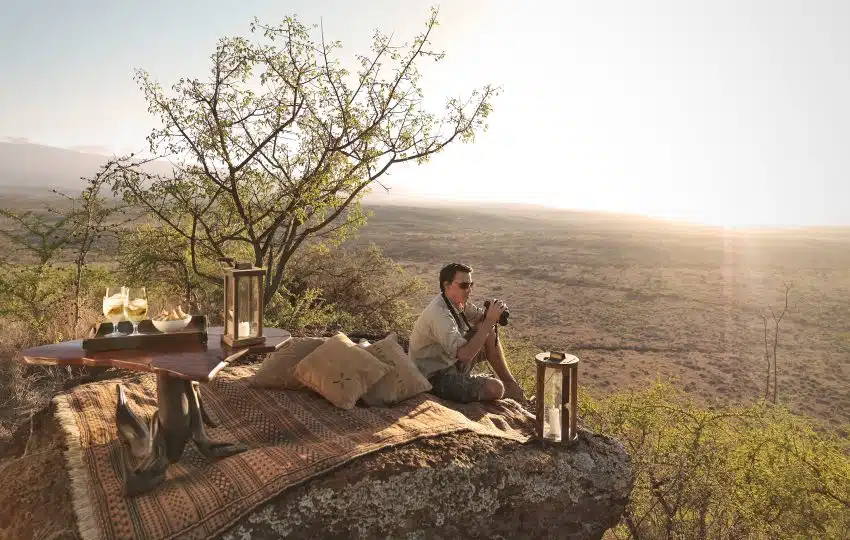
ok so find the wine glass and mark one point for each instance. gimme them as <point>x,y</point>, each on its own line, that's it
<point>113,308</point>
<point>136,307</point>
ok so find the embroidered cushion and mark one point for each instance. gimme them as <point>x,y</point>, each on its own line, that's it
<point>340,371</point>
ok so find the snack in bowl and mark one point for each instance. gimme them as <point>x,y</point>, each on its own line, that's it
<point>171,320</point>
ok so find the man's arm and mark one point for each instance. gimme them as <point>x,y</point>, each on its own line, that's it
<point>467,352</point>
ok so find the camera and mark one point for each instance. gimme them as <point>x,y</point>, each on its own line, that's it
<point>503,320</point>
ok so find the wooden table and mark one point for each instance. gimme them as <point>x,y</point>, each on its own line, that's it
<point>180,416</point>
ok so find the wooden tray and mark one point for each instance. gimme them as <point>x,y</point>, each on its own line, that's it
<point>150,338</point>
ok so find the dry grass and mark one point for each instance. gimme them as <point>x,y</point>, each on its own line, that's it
<point>25,389</point>
<point>636,299</point>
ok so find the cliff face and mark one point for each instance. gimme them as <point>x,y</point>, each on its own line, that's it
<point>457,486</point>
<point>454,486</point>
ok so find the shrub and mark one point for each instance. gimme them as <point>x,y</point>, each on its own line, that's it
<point>755,472</point>
<point>350,290</point>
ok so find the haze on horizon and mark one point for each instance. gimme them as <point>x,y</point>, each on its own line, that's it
<point>716,112</point>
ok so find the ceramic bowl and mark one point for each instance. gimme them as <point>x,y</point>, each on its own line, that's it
<point>171,326</point>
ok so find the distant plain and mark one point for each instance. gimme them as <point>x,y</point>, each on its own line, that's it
<point>635,298</point>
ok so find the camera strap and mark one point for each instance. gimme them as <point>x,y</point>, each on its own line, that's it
<point>454,313</point>
<point>470,329</point>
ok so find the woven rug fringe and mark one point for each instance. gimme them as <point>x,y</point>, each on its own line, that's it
<point>80,495</point>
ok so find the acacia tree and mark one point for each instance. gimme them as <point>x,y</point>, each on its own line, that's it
<point>29,291</point>
<point>279,145</point>
<point>776,322</point>
<point>92,218</point>
<point>34,291</point>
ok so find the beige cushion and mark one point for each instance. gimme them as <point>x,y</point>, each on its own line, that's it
<point>340,371</point>
<point>403,382</point>
<point>278,369</point>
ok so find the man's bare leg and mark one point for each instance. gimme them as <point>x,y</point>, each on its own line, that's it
<point>496,359</point>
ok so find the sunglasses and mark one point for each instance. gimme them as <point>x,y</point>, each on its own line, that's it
<point>465,284</point>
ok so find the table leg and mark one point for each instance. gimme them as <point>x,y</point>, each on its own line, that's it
<point>151,470</point>
<point>131,430</point>
<point>209,448</point>
<point>175,419</point>
<point>181,417</point>
<point>205,416</point>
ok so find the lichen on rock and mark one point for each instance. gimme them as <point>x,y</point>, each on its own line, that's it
<point>460,485</point>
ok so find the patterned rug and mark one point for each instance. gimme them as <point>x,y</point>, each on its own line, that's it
<point>292,436</point>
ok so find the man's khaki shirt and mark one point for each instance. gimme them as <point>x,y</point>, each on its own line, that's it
<point>436,336</point>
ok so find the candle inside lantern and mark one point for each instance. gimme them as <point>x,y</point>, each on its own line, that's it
<point>244,329</point>
<point>555,423</point>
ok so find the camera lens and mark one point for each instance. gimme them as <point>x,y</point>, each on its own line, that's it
<point>503,319</point>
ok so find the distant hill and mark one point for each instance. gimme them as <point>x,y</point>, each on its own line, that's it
<point>28,169</point>
<point>31,168</point>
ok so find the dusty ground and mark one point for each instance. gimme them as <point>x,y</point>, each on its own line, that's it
<point>35,501</point>
<point>636,298</point>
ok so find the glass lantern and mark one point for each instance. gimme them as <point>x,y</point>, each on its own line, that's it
<point>243,304</point>
<point>557,396</point>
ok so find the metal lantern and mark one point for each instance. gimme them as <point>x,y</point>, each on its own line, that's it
<point>243,304</point>
<point>557,396</point>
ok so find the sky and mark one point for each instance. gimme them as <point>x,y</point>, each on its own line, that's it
<point>723,112</point>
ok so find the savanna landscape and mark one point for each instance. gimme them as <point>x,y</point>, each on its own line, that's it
<point>717,358</point>
<point>671,322</point>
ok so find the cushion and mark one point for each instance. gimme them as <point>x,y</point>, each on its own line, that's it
<point>278,369</point>
<point>403,382</point>
<point>340,371</point>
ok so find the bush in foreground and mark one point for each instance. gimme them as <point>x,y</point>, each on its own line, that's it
<point>736,472</point>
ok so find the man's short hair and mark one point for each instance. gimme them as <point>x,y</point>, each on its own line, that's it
<point>448,273</point>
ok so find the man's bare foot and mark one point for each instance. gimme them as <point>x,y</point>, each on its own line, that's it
<point>514,391</point>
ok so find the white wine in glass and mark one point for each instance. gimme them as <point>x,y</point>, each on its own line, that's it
<point>136,307</point>
<point>113,308</point>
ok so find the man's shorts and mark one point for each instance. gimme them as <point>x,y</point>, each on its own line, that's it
<point>454,385</point>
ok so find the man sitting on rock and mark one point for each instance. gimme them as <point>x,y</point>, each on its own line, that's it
<point>452,334</point>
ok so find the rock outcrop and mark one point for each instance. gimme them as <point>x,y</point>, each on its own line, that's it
<point>461,485</point>
<point>457,486</point>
